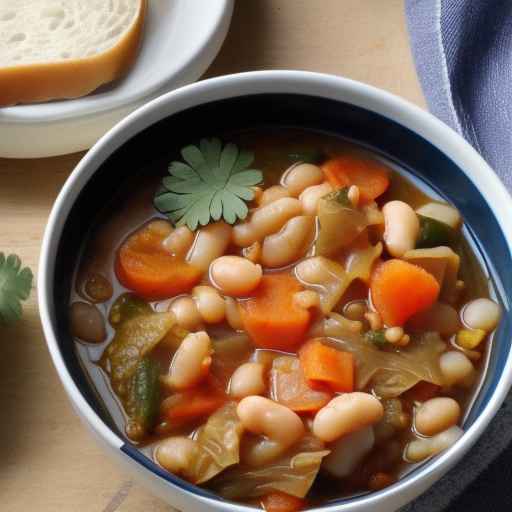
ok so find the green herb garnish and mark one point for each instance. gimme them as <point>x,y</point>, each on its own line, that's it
<point>340,196</point>
<point>15,285</point>
<point>378,338</point>
<point>213,183</point>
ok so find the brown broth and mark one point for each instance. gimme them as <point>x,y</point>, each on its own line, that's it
<point>133,207</point>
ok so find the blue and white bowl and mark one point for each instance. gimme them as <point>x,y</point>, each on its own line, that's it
<point>399,131</point>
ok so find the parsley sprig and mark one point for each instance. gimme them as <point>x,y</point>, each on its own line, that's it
<point>212,183</point>
<point>15,285</point>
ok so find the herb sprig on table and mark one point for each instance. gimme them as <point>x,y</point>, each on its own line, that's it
<point>15,285</point>
<point>212,183</point>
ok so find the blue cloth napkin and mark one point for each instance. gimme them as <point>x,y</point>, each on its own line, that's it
<point>463,55</point>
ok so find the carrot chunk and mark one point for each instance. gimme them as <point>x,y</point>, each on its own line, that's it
<point>194,404</point>
<point>271,317</point>
<point>289,386</point>
<point>145,267</point>
<point>400,289</point>
<point>326,365</point>
<point>278,501</point>
<point>370,176</point>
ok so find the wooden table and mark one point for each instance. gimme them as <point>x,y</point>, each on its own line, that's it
<point>47,460</point>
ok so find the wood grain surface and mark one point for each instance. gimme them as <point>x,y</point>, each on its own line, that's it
<point>48,462</point>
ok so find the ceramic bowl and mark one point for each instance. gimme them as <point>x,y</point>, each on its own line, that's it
<point>401,132</point>
<point>181,39</point>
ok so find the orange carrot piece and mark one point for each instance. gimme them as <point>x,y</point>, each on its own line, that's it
<point>400,289</point>
<point>145,267</point>
<point>271,317</point>
<point>326,365</point>
<point>278,501</point>
<point>370,176</point>
<point>289,387</point>
<point>193,404</point>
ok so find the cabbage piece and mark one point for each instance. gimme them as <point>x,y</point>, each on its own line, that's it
<point>134,338</point>
<point>389,374</point>
<point>294,473</point>
<point>340,225</point>
<point>332,279</point>
<point>219,444</point>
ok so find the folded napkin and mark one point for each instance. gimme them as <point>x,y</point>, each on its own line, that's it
<point>463,55</point>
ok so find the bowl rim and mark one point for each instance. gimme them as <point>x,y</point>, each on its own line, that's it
<point>332,87</point>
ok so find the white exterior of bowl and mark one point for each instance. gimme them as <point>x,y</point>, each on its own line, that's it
<point>297,82</point>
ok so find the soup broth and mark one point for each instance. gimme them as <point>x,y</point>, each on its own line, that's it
<point>317,349</point>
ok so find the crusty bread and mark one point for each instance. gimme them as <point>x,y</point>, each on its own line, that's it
<point>54,49</point>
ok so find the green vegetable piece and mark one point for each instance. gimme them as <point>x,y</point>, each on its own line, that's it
<point>134,339</point>
<point>127,306</point>
<point>15,286</point>
<point>378,338</point>
<point>144,399</point>
<point>340,196</point>
<point>434,233</point>
<point>214,183</point>
<point>307,156</point>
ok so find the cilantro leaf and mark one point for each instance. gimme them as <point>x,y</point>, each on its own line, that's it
<point>15,285</point>
<point>212,183</point>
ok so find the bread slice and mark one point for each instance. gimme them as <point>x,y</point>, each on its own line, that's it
<point>55,49</point>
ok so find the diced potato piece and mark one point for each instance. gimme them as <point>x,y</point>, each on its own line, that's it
<point>441,212</point>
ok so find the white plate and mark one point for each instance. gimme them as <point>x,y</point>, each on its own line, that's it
<point>181,39</point>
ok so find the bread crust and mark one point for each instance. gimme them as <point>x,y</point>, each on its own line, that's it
<point>71,78</point>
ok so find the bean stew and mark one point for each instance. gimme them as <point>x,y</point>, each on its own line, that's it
<point>284,318</point>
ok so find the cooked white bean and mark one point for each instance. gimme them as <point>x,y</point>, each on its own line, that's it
<point>394,334</point>
<point>310,197</point>
<point>258,451</point>
<point>441,212</point>
<point>314,271</point>
<point>436,415</point>
<point>260,415</point>
<point>455,367</point>
<point>290,244</point>
<point>247,380</point>
<point>421,449</point>
<point>177,455</point>
<point>266,220</point>
<point>272,194</point>
<point>355,310</point>
<point>345,414</point>
<point>179,241</point>
<point>234,275</point>
<point>233,317</point>
<point>401,227</point>
<point>210,243</point>
<point>87,323</point>
<point>191,361</point>
<point>348,451</point>
<point>210,304</point>
<point>481,314</point>
<point>301,176</point>
<point>186,313</point>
